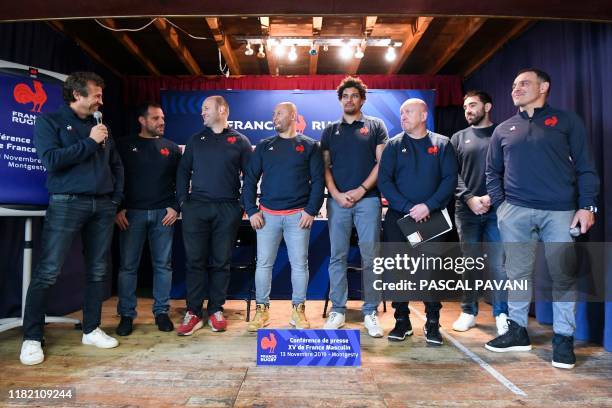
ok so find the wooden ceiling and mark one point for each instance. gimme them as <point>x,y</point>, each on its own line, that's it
<point>438,37</point>
<point>168,46</point>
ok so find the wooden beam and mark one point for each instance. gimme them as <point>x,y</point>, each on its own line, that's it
<point>57,25</point>
<point>409,43</point>
<point>265,31</point>
<point>460,39</point>
<point>515,31</point>
<point>224,45</point>
<point>596,10</point>
<point>317,24</point>
<point>131,46</point>
<point>171,36</point>
<point>368,25</point>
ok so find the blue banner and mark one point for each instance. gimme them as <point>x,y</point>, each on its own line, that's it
<point>321,348</point>
<point>22,100</point>
<point>251,111</point>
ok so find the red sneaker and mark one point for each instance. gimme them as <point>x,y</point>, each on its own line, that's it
<point>217,322</point>
<point>190,324</point>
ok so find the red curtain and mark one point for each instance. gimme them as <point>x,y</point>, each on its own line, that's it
<point>140,89</point>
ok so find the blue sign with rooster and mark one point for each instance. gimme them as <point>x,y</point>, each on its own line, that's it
<point>321,348</point>
<point>25,94</point>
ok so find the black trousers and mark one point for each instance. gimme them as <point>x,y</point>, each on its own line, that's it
<point>392,233</point>
<point>209,231</point>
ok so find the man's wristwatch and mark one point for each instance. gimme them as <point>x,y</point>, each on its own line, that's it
<point>590,208</point>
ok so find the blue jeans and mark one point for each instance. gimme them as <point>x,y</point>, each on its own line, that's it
<point>520,229</point>
<point>365,215</point>
<point>269,237</point>
<point>475,232</point>
<point>67,215</point>
<point>145,224</point>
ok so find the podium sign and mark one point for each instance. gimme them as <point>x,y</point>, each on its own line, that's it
<point>322,348</point>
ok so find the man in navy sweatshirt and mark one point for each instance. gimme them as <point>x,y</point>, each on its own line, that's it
<point>542,180</point>
<point>149,210</point>
<point>85,183</point>
<point>417,175</point>
<point>291,170</point>
<point>476,221</point>
<point>212,162</point>
<point>352,147</point>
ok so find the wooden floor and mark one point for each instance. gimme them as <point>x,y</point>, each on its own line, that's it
<point>156,369</point>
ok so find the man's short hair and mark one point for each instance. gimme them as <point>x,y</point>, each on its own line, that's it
<point>482,95</point>
<point>352,82</point>
<point>143,109</point>
<point>78,81</point>
<point>542,76</point>
<point>220,101</point>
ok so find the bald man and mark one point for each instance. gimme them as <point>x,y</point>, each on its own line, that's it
<point>417,175</point>
<point>290,166</point>
<point>213,160</point>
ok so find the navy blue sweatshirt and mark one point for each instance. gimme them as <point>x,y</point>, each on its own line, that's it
<point>418,171</point>
<point>150,172</point>
<point>352,150</point>
<point>75,163</point>
<point>293,175</point>
<point>213,163</point>
<point>471,146</point>
<point>542,162</point>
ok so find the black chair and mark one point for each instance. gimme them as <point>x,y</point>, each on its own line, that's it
<point>243,260</point>
<point>354,267</point>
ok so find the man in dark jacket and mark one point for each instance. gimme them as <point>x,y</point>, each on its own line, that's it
<point>85,183</point>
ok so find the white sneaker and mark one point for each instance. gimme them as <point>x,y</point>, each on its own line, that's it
<point>99,339</point>
<point>334,321</point>
<point>31,352</point>
<point>501,322</point>
<point>465,322</point>
<point>371,323</point>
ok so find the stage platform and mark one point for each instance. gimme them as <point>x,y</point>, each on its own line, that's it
<point>156,369</point>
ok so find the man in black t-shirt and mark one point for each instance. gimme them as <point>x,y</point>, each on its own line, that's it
<point>149,210</point>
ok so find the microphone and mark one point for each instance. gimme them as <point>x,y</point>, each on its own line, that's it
<point>98,117</point>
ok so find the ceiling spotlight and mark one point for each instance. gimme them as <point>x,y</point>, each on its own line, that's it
<point>249,50</point>
<point>261,53</point>
<point>390,55</point>
<point>279,50</point>
<point>325,47</point>
<point>346,51</point>
<point>312,51</point>
<point>292,53</point>
<point>359,53</point>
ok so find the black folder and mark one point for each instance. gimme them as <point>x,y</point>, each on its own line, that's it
<point>419,232</point>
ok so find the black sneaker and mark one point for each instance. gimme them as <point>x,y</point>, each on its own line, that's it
<point>563,351</point>
<point>163,322</point>
<point>125,326</point>
<point>402,329</point>
<point>515,339</point>
<point>431,330</point>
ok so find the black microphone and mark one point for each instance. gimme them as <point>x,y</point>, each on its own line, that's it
<point>98,117</point>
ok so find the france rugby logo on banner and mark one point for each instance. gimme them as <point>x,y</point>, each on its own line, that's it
<point>322,348</point>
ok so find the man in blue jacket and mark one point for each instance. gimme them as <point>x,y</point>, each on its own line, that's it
<point>290,166</point>
<point>542,180</point>
<point>208,192</point>
<point>417,175</point>
<point>85,183</point>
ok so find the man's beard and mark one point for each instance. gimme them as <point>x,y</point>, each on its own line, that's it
<point>476,119</point>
